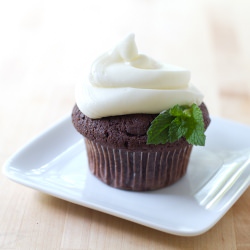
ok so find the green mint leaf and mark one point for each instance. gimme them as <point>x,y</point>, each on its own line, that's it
<point>176,110</point>
<point>176,130</point>
<point>195,127</point>
<point>197,139</point>
<point>177,122</point>
<point>158,131</point>
<point>187,112</point>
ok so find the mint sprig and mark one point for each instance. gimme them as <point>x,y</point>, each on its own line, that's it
<point>176,122</point>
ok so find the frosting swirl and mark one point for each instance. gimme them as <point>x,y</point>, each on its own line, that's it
<point>124,82</point>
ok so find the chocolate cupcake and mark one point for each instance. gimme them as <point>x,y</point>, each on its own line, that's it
<point>115,110</point>
<point>119,155</point>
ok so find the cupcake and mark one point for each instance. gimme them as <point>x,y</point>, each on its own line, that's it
<point>139,118</point>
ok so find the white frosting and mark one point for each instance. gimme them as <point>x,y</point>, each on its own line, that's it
<point>123,82</point>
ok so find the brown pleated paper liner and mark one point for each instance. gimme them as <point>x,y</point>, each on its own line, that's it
<point>137,170</point>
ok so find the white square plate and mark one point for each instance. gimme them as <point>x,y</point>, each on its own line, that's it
<point>55,162</point>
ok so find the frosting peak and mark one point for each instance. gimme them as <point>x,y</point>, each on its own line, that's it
<point>122,81</point>
<point>127,48</point>
<point>124,67</point>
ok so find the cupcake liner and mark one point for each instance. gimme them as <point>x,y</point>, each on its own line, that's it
<point>137,170</point>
